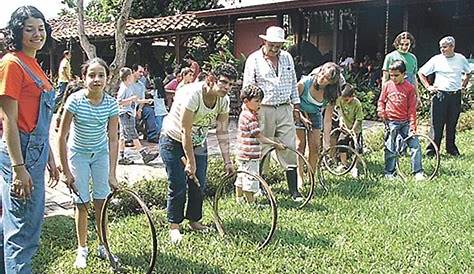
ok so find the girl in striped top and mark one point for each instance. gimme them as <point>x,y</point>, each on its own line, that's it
<point>91,150</point>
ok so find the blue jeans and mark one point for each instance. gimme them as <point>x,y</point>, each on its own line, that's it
<point>21,222</point>
<point>171,152</point>
<point>395,133</point>
<point>159,122</point>
<point>148,115</point>
<point>61,89</point>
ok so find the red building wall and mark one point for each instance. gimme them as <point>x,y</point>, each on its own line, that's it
<point>246,34</point>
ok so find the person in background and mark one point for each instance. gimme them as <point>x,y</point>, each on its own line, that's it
<point>448,67</point>
<point>26,105</point>
<point>193,65</point>
<point>64,77</point>
<point>403,44</point>
<point>127,100</point>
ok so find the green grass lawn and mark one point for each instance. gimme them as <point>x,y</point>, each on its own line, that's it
<point>359,226</point>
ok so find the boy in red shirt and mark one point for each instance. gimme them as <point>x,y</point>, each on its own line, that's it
<point>397,108</point>
<point>249,139</point>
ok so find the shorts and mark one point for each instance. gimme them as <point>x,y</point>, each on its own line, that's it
<point>315,118</point>
<point>246,182</point>
<point>344,138</point>
<point>85,166</point>
<point>128,130</point>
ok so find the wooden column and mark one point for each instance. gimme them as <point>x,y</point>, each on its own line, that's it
<point>177,48</point>
<point>356,34</point>
<point>334,34</point>
<point>405,18</point>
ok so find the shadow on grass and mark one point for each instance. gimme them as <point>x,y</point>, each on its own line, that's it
<point>250,232</point>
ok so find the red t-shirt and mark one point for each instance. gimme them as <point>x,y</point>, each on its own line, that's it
<point>398,103</point>
<point>16,83</point>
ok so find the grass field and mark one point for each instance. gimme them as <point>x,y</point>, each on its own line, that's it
<point>359,226</point>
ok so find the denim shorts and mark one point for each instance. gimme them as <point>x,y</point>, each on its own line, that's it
<point>85,166</point>
<point>315,118</point>
<point>128,130</point>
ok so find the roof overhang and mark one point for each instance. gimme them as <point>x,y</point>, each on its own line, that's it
<point>281,6</point>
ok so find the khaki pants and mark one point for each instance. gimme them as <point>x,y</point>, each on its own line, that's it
<point>277,123</point>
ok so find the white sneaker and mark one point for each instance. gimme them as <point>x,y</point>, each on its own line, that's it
<point>390,177</point>
<point>81,257</point>
<point>354,172</point>
<point>240,200</point>
<point>420,176</point>
<point>175,236</point>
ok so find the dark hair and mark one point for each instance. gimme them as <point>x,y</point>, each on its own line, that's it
<point>135,67</point>
<point>225,70</point>
<point>202,76</point>
<point>398,65</point>
<point>72,87</point>
<point>348,90</point>
<point>66,52</point>
<point>14,35</point>
<point>188,56</point>
<point>404,35</point>
<point>251,91</point>
<point>97,60</point>
<point>158,86</point>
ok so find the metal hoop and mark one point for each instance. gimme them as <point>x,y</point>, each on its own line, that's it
<point>310,171</point>
<point>271,199</point>
<point>437,156</point>
<point>103,228</point>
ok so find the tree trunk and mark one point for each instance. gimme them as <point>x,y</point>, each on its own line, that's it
<point>121,46</point>
<point>89,48</point>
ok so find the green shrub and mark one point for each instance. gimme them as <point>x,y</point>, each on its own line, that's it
<point>373,139</point>
<point>466,121</point>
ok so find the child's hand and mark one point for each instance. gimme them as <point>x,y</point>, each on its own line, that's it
<point>280,146</point>
<point>432,89</point>
<point>68,179</point>
<point>113,183</point>
<point>307,123</point>
<point>54,173</point>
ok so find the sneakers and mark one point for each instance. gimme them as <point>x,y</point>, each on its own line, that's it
<point>390,177</point>
<point>296,196</point>
<point>147,156</point>
<point>125,161</point>
<point>420,176</point>
<point>354,172</point>
<point>102,253</point>
<point>175,236</point>
<point>81,257</point>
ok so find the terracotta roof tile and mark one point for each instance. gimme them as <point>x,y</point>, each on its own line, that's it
<point>65,27</point>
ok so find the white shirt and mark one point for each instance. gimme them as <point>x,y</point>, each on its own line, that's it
<point>448,71</point>
<point>278,87</point>
<point>190,97</point>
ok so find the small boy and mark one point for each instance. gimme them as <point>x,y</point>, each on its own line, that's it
<point>397,108</point>
<point>351,115</point>
<point>249,139</point>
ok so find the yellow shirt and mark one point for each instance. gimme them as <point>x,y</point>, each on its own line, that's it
<point>64,73</point>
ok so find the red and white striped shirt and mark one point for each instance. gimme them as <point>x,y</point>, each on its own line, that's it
<point>248,145</point>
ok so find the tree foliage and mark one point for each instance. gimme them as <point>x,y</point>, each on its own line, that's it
<point>108,10</point>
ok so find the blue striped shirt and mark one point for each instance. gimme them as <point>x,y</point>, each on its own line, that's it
<point>89,127</point>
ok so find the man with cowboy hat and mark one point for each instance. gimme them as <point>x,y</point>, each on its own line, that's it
<point>273,70</point>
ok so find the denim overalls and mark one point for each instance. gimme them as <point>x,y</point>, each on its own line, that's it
<point>21,222</point>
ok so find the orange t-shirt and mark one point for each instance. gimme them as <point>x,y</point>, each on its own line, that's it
<point>16,83</point>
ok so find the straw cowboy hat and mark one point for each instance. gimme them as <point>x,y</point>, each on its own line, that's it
<point>274,35</point>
